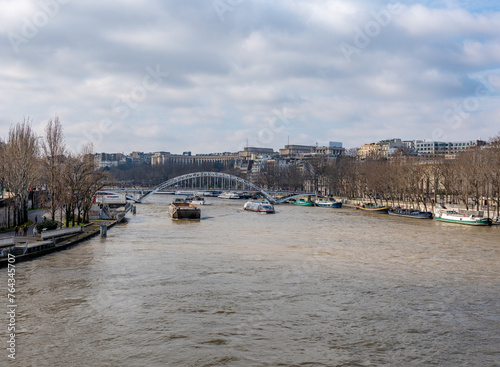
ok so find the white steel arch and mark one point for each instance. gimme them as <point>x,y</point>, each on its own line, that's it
<point>195,175</point>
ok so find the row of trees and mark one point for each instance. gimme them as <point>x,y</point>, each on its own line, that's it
<point>471,179</point>
<point>66,181</point>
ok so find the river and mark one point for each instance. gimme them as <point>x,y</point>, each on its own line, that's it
<point>302,287</point>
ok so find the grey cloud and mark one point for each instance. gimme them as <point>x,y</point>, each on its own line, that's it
<point>226,77</point>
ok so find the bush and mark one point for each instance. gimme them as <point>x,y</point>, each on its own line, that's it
<point>49,224</point>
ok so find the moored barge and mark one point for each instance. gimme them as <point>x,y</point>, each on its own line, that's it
<point>474,218</point>
<point>179,209</point>
<point>374,208</point>
<point>410,213</point>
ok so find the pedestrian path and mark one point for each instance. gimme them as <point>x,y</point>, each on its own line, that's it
<point>35,216</point>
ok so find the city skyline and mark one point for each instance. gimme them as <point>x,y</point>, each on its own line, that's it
<point>214,76</point>
<point>317,144</point>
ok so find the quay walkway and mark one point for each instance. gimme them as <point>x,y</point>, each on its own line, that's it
<point>30,247</point>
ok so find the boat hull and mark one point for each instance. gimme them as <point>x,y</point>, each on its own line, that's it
<point>458,217</point>
<point>212,194</point>
<point>336,204</point>
<point>302,202</point>
<point>260,211</point>
<point>200,202</point>
<point>375,209</point>
<point>259,207</point>
<point>185,211</point>
<point>410,214</point>
<point>466,220</point>
<point>229,195</point>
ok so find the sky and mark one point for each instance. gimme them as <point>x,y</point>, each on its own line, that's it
<point>218,75</point>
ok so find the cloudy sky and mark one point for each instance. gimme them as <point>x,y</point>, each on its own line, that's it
<point>216,75</point>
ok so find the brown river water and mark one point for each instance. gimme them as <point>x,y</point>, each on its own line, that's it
<point>303,287</point>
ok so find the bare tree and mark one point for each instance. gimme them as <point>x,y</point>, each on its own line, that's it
<point>90,180</point>
<point>54,150</point>
<point>449,180</point>
<point>269,175</point>
<point>81,181</point>
<point>493,171</point>
<point>394,178</point>
<point>315,169</point>
<point>374,177</point>
<point>22,166</point>
<point>295,177</point>
<point>470,165</point>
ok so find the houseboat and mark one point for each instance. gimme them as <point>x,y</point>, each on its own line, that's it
<point>303,202</point>
<point>470,217</point>
<point>374,208</point>
<point>229,195</point>
<point>410,213</point>
<point>328,203</point>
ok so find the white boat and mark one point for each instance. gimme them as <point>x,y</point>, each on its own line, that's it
<point>197,200</point>
<point>259,206</point>
<point>229,195</point>
<point>211,193</point>
<point>474,218</point>
<point>184,192</point>
<point>496,220</point>
<point>329,203</point>
<point>112,199</point>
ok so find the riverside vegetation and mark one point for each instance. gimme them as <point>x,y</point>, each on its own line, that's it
<point>42,167</point>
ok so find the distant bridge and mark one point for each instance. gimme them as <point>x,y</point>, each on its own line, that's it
<point>210,179</point>
<point>199,180</point>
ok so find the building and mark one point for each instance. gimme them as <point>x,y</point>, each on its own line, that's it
<point>253,159</point>
<point>139,158</point>
<point>295,150</point>
<point>331,149</point>
<point>408,148</point>
<point>421,148</point>
<point>159,158</point>
<point>103,160</point>
<point>225,159</point>
<point>379,150</point>
<point>447,150</point>
<point>331,144</point>
<point>255,152</point>
<point>411,144</point>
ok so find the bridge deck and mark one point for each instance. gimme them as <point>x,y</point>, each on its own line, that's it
<point>245,185</point>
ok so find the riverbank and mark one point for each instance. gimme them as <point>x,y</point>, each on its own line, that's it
<point>354,203</point>
<point>30,247</point>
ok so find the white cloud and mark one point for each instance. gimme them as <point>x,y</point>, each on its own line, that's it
<point>422,21</point>
<point>226,79</point>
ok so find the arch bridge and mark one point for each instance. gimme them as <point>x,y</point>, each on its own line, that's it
<point>207,180</point>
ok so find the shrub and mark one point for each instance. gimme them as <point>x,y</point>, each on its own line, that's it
<point>49,224</point>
